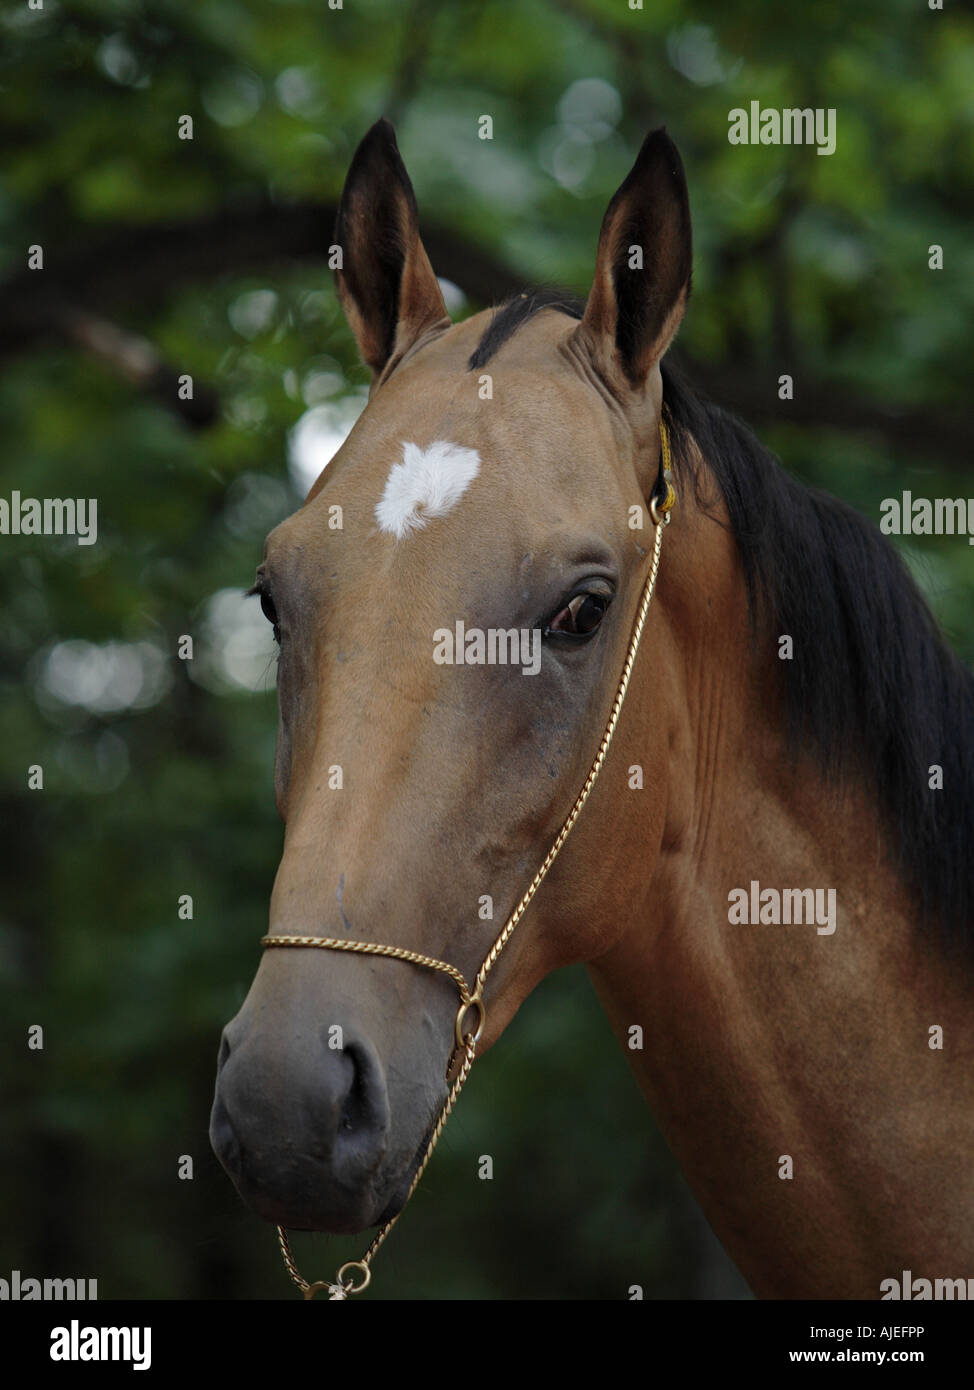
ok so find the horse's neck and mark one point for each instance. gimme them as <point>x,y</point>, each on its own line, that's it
<point>763,1043</point>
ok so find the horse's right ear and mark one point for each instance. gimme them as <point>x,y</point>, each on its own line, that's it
<point>642,269</point>
<point>386,283</point>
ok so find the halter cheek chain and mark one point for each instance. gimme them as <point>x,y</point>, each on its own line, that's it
<point>356,1275</point>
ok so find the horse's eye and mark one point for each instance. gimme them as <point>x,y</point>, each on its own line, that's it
<point>580,616</point>
<point>267,608</point>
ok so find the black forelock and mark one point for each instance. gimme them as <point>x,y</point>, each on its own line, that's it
<point>510,315</point>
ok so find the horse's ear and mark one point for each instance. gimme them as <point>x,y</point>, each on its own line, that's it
<point>386,283</point>
<point>642,270</point>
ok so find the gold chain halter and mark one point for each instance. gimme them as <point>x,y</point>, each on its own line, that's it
<point>356,1275</point>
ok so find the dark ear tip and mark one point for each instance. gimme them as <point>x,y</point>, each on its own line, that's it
<point>659,145</point>
<point>659,156</point>
<point>378,163</point>
<point>380,138</point>
<point>384,130</point>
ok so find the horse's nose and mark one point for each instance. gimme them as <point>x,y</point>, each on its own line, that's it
<point>302,1130</point>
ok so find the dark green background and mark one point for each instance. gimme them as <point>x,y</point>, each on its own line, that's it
<point>212,252</point>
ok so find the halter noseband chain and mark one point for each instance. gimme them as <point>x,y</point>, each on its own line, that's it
<point>356,1275</point>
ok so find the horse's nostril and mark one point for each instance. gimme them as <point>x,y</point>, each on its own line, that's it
<point>222,1138</point>
<point>224,1051</point>
<point>364,1110</point>
<point>354,1105</point>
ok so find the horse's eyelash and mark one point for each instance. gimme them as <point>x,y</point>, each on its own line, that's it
<point>258,589</point>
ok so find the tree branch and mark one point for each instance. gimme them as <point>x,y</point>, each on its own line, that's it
<point>752,393</point>
<point>137,360</point>
<point>146,266</point>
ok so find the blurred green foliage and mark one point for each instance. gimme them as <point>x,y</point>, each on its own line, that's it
<point>158,782</point>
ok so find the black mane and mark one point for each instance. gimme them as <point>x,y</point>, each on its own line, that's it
<point>872,688</point>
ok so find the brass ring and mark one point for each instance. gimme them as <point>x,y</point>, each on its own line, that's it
<point>658,520</point>
<point>366,1276</point>
<point>470,1038</point>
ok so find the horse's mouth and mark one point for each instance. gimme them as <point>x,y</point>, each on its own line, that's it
<point>402,1189</point>
<point>275,1212</point>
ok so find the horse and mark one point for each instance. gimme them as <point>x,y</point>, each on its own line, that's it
<point>771,884</point>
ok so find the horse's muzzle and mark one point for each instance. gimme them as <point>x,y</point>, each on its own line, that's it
<point>303,1129</point>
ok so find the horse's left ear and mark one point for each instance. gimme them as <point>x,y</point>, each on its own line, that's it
<point>386,283</point>
<point>642,270</point>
